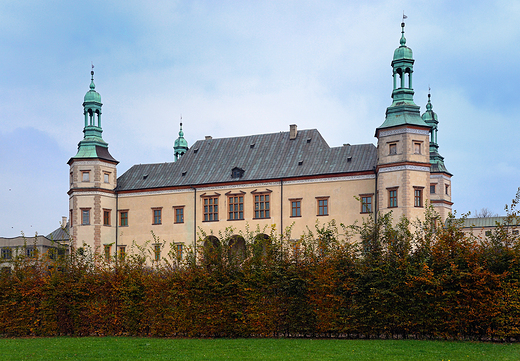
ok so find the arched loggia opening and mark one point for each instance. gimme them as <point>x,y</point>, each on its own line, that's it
<point>262,245</point>
<point>211,252</point>
<point>237,248</point>
<point>211,242</point>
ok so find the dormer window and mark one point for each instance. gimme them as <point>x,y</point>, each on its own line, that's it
<point>237,172</point>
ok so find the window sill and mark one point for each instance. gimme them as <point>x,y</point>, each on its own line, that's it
<point>365,212</point>
<point>211,221</point>
<point>321,215</point>
<point>237,219</point>
<point>263,218</point>
<point>178,222</point>
<point>295,217</point>
<point>156,224</point>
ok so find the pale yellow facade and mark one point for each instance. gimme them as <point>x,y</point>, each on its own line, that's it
<point>341,193</point>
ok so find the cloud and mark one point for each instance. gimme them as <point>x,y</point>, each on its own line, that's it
<point>235,68</point>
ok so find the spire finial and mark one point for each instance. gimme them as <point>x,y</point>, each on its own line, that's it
<point>181,133</point>
<point>403,39</point>
<point>429,105</point>
<point>92,85</point>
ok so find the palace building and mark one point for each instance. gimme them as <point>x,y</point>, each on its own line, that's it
<point>291,178</point>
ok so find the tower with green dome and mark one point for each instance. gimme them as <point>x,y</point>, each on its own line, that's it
<point>403,165</point>
<point>180,146</point>
<point>440,177</point>
<point>93,178</point>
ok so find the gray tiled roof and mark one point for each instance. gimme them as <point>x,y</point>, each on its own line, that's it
<point>262,157</point>
<point>60,234</point>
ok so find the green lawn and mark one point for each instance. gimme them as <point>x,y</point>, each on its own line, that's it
<point>129,348</point>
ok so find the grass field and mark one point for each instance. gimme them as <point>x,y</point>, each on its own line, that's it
<point>129,348</point>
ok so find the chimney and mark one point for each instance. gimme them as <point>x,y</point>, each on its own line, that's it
<point>208,137</point>
<point>63,222</point>
<point>293,131</point>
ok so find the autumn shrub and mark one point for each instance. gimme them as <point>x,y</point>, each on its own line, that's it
<point>381,278</point>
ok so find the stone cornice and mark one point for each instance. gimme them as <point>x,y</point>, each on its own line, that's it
<point>247,185</point>
<point>437,175</point>
<point>401,167</point>
<point>385,133</point>
<point>80,163</point>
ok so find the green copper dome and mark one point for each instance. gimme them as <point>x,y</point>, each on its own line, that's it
<point>403,110</point>
<point>403,52</point>
<point>180,142</point>
<point>429,115</point>
<point>92,95</point>
<point>180,146</point>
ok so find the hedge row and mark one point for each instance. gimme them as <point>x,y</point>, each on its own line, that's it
<point>391,282</point>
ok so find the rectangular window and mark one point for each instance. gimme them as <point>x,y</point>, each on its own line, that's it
<point>447,190</point>
<point>122,252</point>
<point>70,218</point>
<point>106,177</point>
<point>432,188</point>
<point>30,252</point>
<point>236,207</point>
<point>296,249</point>
<point>179,214</point>
<point>417,147</point>
<point>157,216</point>
<point>296,206</point>
<point>123,218</point>
<point>210,209</point>
<point>106,217</point>
<point>392,198</point>
<point>323,206</point>
<point>366,204</point>
<point>85,176</point>
<point>262,209</point>
<point>71,179</point>
<point>392,148</point>
<point>179,249</point>
<point>157,252</point>
<point>7,253</point>
<point>107,251</point>
<point>418,201</point>
<point>85,217</point>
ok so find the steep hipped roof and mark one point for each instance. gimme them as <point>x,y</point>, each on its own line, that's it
<point>261,157</point>
<point>60,234</point>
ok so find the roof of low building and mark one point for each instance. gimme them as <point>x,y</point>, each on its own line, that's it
<point>486,222</point>
<point>261,157</point>
<point>60,234</point>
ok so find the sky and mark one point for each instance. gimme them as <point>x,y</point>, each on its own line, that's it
<point>234,68</point>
